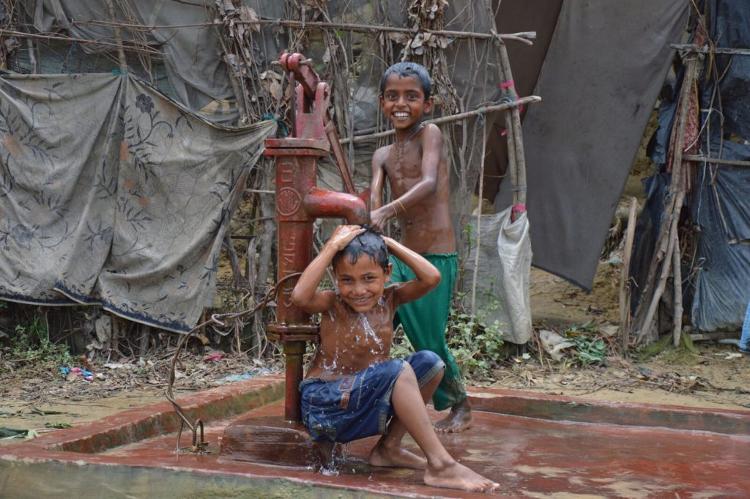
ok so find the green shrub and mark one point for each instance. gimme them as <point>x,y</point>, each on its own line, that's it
<point>477,348</point>
<point>31,344</point>
<point>590,346</point>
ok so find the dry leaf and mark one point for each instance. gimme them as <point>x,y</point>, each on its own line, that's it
<point>275,90</point>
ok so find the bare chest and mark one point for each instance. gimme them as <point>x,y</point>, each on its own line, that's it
<point>403,168</point>
<point>344,331</point>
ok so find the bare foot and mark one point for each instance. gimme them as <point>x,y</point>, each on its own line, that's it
<point>459,419</point>
<point>396,457</point>
<point>458,476</point>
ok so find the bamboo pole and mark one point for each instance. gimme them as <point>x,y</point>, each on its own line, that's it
<point>718,161</point>
<point>625,290</point>
<point>673,206</point>
<point>677,277</point>
<point>118,39</point>
<point>511,168</point>
<point>479,219</point>
<point>510,144</point>
<point>22,34</point>
<point>519,188</point>
<point>686,47</point>
<point>450,118</point>
<point>648,322</point>
<point>525,37</point>
<point>32,56</point>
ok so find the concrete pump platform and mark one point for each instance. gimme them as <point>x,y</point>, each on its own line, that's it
<point>533,445</point>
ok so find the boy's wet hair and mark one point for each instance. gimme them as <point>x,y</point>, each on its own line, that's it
<point>409,70</point>
<point>369,243</point>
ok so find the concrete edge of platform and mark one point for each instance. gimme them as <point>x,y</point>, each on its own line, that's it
<point>23,479</point>
<point>148,421</point>
<point>564,408</point>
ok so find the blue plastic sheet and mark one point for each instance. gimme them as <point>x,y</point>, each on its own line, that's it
<point>721,212</point>
<point>721,208</point>
<point>718,287</point>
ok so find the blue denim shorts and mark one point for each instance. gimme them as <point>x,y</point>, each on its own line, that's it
<point>359,405</point>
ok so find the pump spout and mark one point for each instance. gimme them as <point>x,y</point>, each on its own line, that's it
<point>320,203</point>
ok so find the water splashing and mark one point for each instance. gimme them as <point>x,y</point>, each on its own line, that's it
<point>331,366</point>
<point>330,464</point>
<point>369,331</point>
<point>330,470</point>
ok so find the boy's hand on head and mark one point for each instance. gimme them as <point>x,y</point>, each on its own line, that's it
<point>389,242</point>
<point>343,235</point>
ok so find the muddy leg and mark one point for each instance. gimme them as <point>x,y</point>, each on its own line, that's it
<point>441,470</point>
<point>459,419</point>
<point>388,451</point>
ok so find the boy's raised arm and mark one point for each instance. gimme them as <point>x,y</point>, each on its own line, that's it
<point>426,276</point>
<point>306,294</point>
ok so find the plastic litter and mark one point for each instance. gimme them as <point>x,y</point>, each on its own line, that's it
<point>84,373</point>
<point>253,373</point>
<point>554,344</point>
<point>214,357</point>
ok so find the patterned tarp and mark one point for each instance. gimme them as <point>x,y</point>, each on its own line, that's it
<point>112,194</point>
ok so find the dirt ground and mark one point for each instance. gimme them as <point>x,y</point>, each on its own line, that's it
<point>40,398</point>
<point>715,376</point>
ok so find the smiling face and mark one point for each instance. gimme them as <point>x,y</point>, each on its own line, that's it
<point>361,283</point>
<point>403,101</point>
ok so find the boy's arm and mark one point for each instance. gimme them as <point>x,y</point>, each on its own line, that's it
<point>426,276</point>
<point>305,294</point>
<point>378,178</point>
<point>432,150</point>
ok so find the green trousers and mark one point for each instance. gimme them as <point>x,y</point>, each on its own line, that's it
<point>425,320</point>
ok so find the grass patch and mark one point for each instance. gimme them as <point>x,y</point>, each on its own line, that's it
<point>686,353</point>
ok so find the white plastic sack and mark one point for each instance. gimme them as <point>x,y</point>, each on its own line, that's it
<point>503,277</point>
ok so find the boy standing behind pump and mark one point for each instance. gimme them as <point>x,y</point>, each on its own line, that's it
<point>417,172</point>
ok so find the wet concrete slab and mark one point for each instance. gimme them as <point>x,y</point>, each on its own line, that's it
<point>570,448</point>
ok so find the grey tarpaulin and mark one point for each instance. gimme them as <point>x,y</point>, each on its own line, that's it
<point>192,55</point>
<point>113,195</point>
<point>526,61</point>
<point>504,267</point>
<point>603,71</point>
<point>197,76</point>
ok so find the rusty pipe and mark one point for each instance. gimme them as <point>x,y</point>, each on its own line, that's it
<point>319,203</point>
